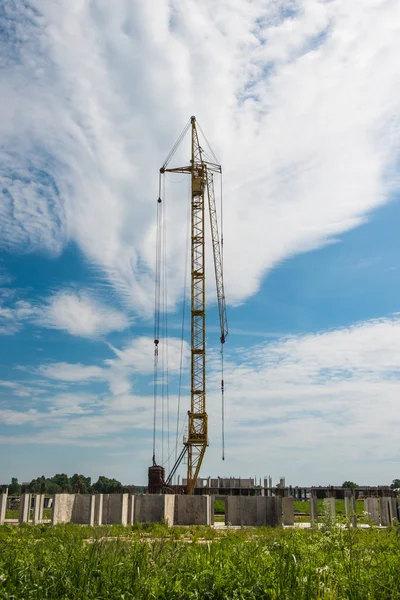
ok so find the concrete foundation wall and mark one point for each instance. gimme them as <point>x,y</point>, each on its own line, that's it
<point>63,505</point>
<point>3,504</point>
<point>394,512</point>
<point>83,509</point>
<point>288,510</point>
<point>24,508</point>
<point>371,507</point>
<point>350,508</point>
<point>330,507</point>
<point>131,509</point>
<point>115,509</point>
<point>314,509</point>
<point>192,510</point>
<point>154,508</point>
<point>384,510</point>
<point>253,511</point>
<point>38,503</point>
<point>98,509</point>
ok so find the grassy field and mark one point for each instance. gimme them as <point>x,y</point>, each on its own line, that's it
<point>74,562</point>
<point>13,514</point>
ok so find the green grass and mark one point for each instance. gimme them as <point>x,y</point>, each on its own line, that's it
<point>303,506</point>
<point>14,514</point>
<point>71,562</point>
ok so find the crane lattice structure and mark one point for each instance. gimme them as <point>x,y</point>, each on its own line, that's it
<point>201,172</point>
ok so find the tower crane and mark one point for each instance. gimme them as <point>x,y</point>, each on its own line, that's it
<point>201,172</point>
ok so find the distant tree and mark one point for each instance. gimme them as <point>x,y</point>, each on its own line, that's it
<point>81,484</point>
<point>349,484</point>
<point>36,485</point>
<point>104,485</point>
<point>395,485</point>
<point>63,482</point>
<point>14,489</point>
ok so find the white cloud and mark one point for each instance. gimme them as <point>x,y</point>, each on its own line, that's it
<point>318,407</point>
<point>13,316</point>
<point>139,355</point>
<point>72,372</point>
<point>80,314</point>
<point>300,106</point>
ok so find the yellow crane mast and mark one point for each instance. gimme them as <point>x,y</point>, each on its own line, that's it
<point>201,172</point>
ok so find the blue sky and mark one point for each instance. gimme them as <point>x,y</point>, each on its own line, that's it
<point>93,99</point>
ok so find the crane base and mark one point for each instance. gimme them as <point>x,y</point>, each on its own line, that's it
<point>156,478</point>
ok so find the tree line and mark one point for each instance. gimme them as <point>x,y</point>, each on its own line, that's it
<point>61,483</point>
<point>395,485</point>
<point>79,484</point>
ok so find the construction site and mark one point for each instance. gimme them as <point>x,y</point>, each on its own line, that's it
<point>190,500</point>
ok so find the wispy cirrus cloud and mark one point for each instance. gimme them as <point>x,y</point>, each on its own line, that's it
<point>76,312</point>
<point>281,86</point>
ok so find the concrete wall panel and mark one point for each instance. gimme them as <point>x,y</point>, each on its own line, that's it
<point>115,509</point>
<point>83,509</point>
<point>38,502</point>
<point>371,507</point>
<point>154,508</point>
<point>3,504</point>
<point>24,508</point>
<point>330,507</point>
<point>192,510</point>
<point>63,505</point>
<point>98,509</point>
<point>253,511</point>
<point>288,510</point>
<point>131,509</point>
<point>314,509</point>
<point>384,510</point>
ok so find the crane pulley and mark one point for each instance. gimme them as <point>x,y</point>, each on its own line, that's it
<point>202,173</point>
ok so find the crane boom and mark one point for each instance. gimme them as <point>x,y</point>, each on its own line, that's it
<point>201,172</point>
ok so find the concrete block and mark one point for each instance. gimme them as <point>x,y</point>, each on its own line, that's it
<point>192,510</point>
<point>98,509</point>
<point>372,509</point>
<point>152,508</point>
<point>384,510</point>
<point>314,509</point>
<point>350,508</point>
<point>41,506</point>
<point>131,510</point>
<point>212,509</point>
<point>3,504</point>
<point>24,508</point>
<point>83,509</point>
<point>330,507</point>
<point>288,510</point>
<point>273,507</point>
<point>63,505</point>
<point>253,511</point>
<point>241,510</point>
<point>394,509</point>
<point>115,509</point>
<point>393,514</point>
<point>38,502</point>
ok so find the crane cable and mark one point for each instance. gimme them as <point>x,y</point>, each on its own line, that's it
<point>164,331</point>
<point>222,340</point>
<point>157,302</point>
